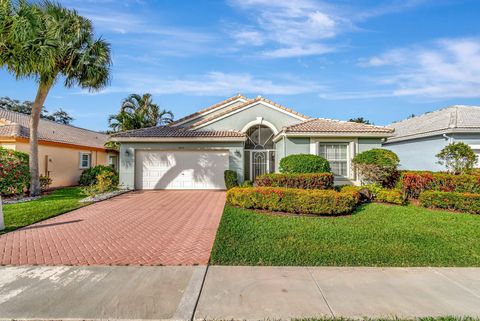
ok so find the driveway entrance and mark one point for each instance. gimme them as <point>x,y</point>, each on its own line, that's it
<point>137,228</point>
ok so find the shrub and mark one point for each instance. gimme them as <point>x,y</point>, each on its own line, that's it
<point>45,182</point>
<point>377,166</point>
<point>306,181</point>
<point>231,179</point>
<point>105,182</point>
<point>89,176</point>
<point>465,202</point>
<point>246,183</point>
<point>458,158</point>
<point>392,196</point>
<point>414,183</point>
<point>304,163</point>
<point>14,172</point>
<point>292,200</point>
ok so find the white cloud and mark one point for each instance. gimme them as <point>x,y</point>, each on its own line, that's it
<point>213,84</point>
<point>446,68</point>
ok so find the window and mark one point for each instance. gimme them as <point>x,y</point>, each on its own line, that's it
<point>85,160</point>
<point>112,161</point>
<point>337,156</point>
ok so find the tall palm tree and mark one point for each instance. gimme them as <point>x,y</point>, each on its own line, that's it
<point>139,112</point>
<point>44,41</point>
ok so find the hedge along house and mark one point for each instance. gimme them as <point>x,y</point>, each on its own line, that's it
<point>419,139</point>
<point>249,136</point>
<point>64,151</point>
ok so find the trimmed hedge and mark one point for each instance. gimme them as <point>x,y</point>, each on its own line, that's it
<point>465,202</point>
<point>231,179</point>
<point>391,196</point>
<point>292,200</point>
<point>305,181</point>
<point>377,166</point>
<point>304,163</point>
<point>414,183</point>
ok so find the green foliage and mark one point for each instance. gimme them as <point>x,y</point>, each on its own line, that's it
<point>14,172</point>
<point>304,163</point>
<point>377,166</point>
<point>391,196</point>
<point>231,179</point>
<point>464,202</point>
<point>306,181</point>
<point>375,235</point>
<point>360,120</point>
<point>89,175</point>
<point>414,183</point>
<point>60,116</point>
<point>105,182</point>
<point>45,182</point>
<point>139,112</point>
<point>292,200</point>
<point>246,183</point>
<point>458,158</point>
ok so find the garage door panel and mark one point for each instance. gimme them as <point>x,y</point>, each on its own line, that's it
<point>180,169</point>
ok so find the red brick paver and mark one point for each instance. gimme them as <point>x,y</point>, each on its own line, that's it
<point>138,228</point>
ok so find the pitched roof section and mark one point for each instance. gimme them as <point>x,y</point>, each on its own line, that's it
<point>13,124</point>
<point>454,118</point>
<point>245,104</point>
<point>210,108</point>
<point>322,125</point>
<point>166,131</point>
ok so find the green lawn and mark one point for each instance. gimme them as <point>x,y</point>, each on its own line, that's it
<point>59,202</point>
<point>376,235</point>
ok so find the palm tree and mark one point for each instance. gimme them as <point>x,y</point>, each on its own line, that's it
<point>45,41</point>
<point>139,112</point>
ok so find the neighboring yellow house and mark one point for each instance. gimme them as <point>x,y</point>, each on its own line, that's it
<point>64,150</point>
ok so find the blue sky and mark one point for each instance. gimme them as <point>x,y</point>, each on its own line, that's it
<point>382,60</point>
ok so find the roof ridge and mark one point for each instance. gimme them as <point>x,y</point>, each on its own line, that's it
<point>203,110</point>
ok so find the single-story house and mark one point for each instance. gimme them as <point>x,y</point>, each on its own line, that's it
<point>419,139</point>
<point>249,136</point>
<point>64,150</point>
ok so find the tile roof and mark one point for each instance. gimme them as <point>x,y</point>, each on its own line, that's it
<point>249,102</point>
<point>454,118</point>
<point>17,125</point>
<point>322,125</point>
<point>223,102</point>
<point>167,131</point>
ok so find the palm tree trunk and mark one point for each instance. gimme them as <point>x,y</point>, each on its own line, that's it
<point>2,220</point>
<point>34,120</point>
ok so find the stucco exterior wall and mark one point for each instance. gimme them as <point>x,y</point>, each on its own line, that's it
<point>127,156</point>
<point>365,144</point>
<point>419,154</point>
<point>239,120</point>
<point>63,164</point>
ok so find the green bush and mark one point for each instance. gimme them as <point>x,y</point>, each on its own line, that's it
<point>464,202</point>
<point>89,176</point>
<point>458,158</point>
<point>414,183</point>
<point>391,196</point>
<point>304,163</point>
<point>306,181</point>
<point>231,179</point>
<point>45,182</point>
<point>14,172</point>
<point>246,183</point>
<point>105,182</point>
<point>292,200</point>
<point>377,166</point>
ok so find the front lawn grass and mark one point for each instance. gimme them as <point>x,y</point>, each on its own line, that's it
<point>375,235</point>
<point>59,202</point>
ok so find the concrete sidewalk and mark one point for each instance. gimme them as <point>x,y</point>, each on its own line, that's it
<point>240,293</point>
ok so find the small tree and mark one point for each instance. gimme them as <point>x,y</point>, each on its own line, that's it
<point>458,158</point>
<point>360,120</point>
<point>377,166</point>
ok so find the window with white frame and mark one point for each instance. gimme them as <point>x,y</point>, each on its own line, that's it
<point>85,160</point>
<point>337,156</point>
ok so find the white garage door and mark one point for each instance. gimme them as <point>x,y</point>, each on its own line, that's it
<point>199,169</point>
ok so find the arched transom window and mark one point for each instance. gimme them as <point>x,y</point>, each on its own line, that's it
<point>259,137</point>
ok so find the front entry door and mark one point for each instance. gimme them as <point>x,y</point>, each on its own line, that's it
<point>259,163</point>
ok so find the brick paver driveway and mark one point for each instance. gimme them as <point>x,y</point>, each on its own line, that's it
<point>138,228</point>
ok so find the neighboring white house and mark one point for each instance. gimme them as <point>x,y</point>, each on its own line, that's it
<point>418,139</point>
<point>249,136</point>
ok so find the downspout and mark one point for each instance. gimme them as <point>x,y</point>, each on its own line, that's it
<point>450,139</point>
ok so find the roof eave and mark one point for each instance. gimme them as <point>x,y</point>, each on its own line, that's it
<point>331,134</point>
<point>176,139</point>
<point>432,134</point>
